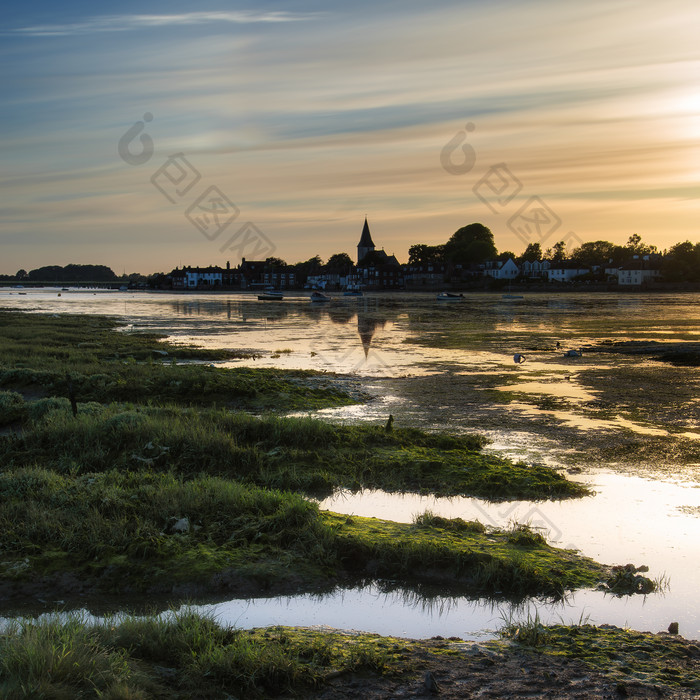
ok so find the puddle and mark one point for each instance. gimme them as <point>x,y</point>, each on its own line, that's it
<point>629,520</point>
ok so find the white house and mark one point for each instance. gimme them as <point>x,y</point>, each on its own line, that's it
<point>565,272</point>
<point>499,270</point>
<point>637,273</point>
<point>535,269</point>
<point>194,277</point>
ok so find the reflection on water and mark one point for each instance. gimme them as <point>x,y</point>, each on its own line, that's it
<point>629,520</point>
<point>452,347</point>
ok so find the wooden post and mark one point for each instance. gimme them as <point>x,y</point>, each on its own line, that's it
<point>71,396</point>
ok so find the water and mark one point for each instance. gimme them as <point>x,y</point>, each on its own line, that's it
<point>430,366</point>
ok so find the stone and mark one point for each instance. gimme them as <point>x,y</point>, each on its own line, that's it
<point>430,683</point>
<point>182,525</point>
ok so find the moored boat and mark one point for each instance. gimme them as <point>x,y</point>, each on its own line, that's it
<point>319,296</point>
<point>271,296</point>
<point>449,296</point>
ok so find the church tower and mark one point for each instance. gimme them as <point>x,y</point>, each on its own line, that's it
<point>366,245</point>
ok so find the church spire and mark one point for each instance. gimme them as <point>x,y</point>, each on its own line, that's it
<point>366,244</point>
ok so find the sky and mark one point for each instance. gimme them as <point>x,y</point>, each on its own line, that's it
<point>144,136</point>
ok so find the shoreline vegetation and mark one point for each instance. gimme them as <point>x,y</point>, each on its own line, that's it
<point>124,472</point>
<point>186,655</point>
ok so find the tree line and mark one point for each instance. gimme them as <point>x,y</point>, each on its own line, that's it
<point>470,245</point>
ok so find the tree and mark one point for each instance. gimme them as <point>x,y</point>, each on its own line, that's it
<point>505,256</point>
<point>275,262</point>
<point>73,273</point>
<point>21,275</point>
<point>470,245</point>
<point>636,247</point>
<point>532,253</point>
<point>339,262</point>
<point>682,263</point>
<point>309,267</point>
<point>421,254</point>
<point>557,253</point>
<point>599,253</point>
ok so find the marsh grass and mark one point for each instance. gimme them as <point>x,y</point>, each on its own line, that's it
<point>181,654</point>
<point>154,531</point>
<point>127,496</point>
<point>37,351</point>
<point>117,528</point>
<point>300,454</point>
<point>440,550</point>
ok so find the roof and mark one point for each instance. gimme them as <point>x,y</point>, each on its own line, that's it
<point>377,257</point>
<point>641,265</point>
<point>366,238</point>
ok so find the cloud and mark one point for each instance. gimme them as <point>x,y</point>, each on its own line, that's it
<point>124,23</point>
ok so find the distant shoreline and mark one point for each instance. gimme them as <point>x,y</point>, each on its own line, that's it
<point>549,287</point>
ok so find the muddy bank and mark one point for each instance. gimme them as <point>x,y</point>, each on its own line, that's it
<point>452,669</point>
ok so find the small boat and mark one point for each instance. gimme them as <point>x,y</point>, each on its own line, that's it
<point>512,296</point>
<point>65,289</point>
<point>352,293</point>
<point>271,296</point>
<point>449,296</point>
<point>319,296</point>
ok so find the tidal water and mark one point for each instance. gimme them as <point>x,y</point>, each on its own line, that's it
<point>417,358</point>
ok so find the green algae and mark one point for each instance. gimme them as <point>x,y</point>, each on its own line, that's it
<point>623,655</point>
<point>38,351</point>
<point>512,563</point>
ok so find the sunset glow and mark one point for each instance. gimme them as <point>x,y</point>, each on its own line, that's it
<point>308,117</point>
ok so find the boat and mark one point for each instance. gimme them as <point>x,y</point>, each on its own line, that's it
<point>449,296</point>
<point>270,296</point>
<point>319,296</point>
<point>352,293</point>
<point>512,296</point>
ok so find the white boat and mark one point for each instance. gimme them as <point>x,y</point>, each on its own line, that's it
<point>319,296</point>
<point>450,296</point>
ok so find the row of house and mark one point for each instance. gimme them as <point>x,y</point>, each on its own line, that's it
<point>250,274</point>
<point>375,269</point>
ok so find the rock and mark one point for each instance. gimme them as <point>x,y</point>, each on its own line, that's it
<point>182,525</point>
<point>673,628</point>
<point>430,683</point>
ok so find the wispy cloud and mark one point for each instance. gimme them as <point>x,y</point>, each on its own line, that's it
<point>125,23</point>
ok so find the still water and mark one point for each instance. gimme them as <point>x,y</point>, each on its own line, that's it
<point>419,360</point>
